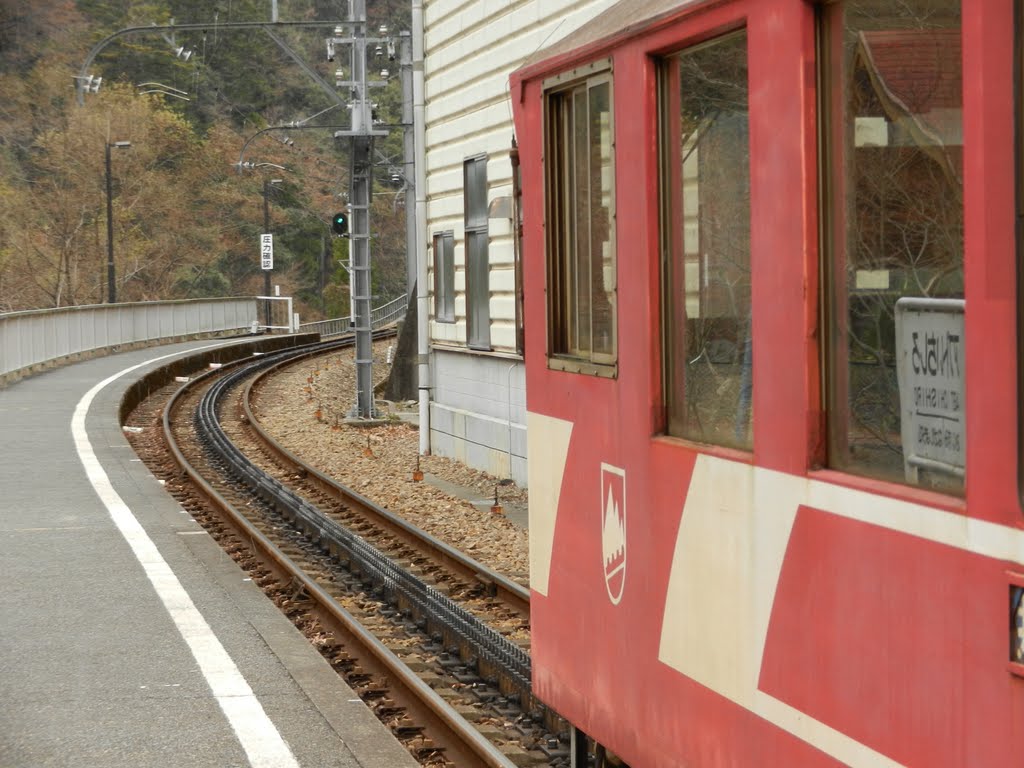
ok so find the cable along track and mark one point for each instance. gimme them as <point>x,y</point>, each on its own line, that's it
<point>486,667</point>
<point>509,592</point>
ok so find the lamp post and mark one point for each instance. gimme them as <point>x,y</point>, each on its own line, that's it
<point>267,184</point>
<point>111,286</point>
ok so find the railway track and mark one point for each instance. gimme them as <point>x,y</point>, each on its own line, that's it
<point>368,518</point>
<point>434,642</point>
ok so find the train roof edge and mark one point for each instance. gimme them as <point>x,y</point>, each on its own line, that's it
<point>619,22</point>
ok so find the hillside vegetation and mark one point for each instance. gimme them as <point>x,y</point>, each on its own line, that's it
<point>186,219</point>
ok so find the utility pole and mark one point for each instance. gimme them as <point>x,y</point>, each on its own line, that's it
<point>409,162</point>
<point>361,135</point>
<point>266,265</point>
<point>111,281</point>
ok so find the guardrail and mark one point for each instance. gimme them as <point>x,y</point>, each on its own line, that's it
<point>35,339</point>
<point>380,316</point>
<point>327,328</point>
<point>389,313</point>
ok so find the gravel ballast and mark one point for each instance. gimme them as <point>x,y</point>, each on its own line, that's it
<point>304,408</point>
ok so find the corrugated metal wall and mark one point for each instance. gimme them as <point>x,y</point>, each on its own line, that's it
<point>470,48</point>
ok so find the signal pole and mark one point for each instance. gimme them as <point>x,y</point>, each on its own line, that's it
<point>361,135</point>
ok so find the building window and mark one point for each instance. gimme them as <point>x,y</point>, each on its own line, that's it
<point>705,214</point>
<point>444,277</point>
<point>579,137</point>
<point>893,165</point>
<point>478,298</point>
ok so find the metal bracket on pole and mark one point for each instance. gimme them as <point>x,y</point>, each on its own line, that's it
<point>324,85</point>
<point>83,80</point>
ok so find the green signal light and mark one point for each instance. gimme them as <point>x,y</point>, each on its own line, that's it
<point>340,224</point>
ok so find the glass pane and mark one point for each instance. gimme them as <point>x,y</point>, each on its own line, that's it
<point>475,190</point>
<point>477,277</point>
<point>439,276</point>
<point>602,264</point>
<point>449,275</point>
<point>579,263</point>
<point>710,392</point>
<point>444,277</point>
<point>895,165</point>
<point>580,214</point>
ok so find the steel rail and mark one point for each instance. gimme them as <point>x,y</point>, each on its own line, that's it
<point>450,731</point>
<point>493,652</point>
<point>497,584</point>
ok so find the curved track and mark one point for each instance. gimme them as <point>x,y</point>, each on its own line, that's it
<point>318,557</point>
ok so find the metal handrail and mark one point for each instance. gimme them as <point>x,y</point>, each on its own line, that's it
<point>389,313</point>
<point>327,328</point>
<point>32,340</point>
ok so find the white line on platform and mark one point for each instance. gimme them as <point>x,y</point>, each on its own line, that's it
<point>258,736</point>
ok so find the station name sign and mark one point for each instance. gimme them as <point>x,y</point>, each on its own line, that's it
<point>930,373</point>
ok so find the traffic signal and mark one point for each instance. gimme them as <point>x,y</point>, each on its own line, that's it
<point>340,223</point>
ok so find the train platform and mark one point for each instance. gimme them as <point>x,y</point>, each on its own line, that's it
<point>127,637</point>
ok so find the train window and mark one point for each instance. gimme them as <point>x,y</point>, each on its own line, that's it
<point>705,210</point>
<point>444,277</point>
<point>478,298</point>
<point>893,168</point>
<point>1016,624</point>
<point>580,224</point>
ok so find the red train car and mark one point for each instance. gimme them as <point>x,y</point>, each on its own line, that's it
<point>773,343</point>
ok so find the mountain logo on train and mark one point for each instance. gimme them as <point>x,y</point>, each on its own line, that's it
<point>613,530</point>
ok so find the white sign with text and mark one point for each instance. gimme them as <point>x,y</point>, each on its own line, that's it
<point>267,251</point>
<point>930,373</point>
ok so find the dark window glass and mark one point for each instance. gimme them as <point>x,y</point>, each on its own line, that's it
<point>581,244</point>
<point>444,277</point>
<point>706,236</point>
<point>893,165</point>
<point>478,308</point>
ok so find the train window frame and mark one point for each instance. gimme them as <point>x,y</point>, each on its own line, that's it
<point>562,254</point>
<point>477,253</point>
<point>444,276</point>
<point>1018,95</point>
<point>517,244</point>
<point>840,136</point>
<point>685,220</point>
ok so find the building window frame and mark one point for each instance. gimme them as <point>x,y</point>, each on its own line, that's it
<point>478,298</point>
<point>444,276</point>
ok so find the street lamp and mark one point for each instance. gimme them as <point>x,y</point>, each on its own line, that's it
<point>111,287</point>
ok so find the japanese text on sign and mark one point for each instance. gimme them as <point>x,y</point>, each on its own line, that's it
<point>930,371</point>
<point>267,251</point>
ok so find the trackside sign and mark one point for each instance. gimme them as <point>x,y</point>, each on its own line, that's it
<point>930,373</point>
<point>267,251</point>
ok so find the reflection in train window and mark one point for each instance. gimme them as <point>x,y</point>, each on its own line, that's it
<point>580,222</point>
<point>893,166</point>
<point>705,211</point>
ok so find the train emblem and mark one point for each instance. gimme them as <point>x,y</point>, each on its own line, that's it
<point>613,530</point>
